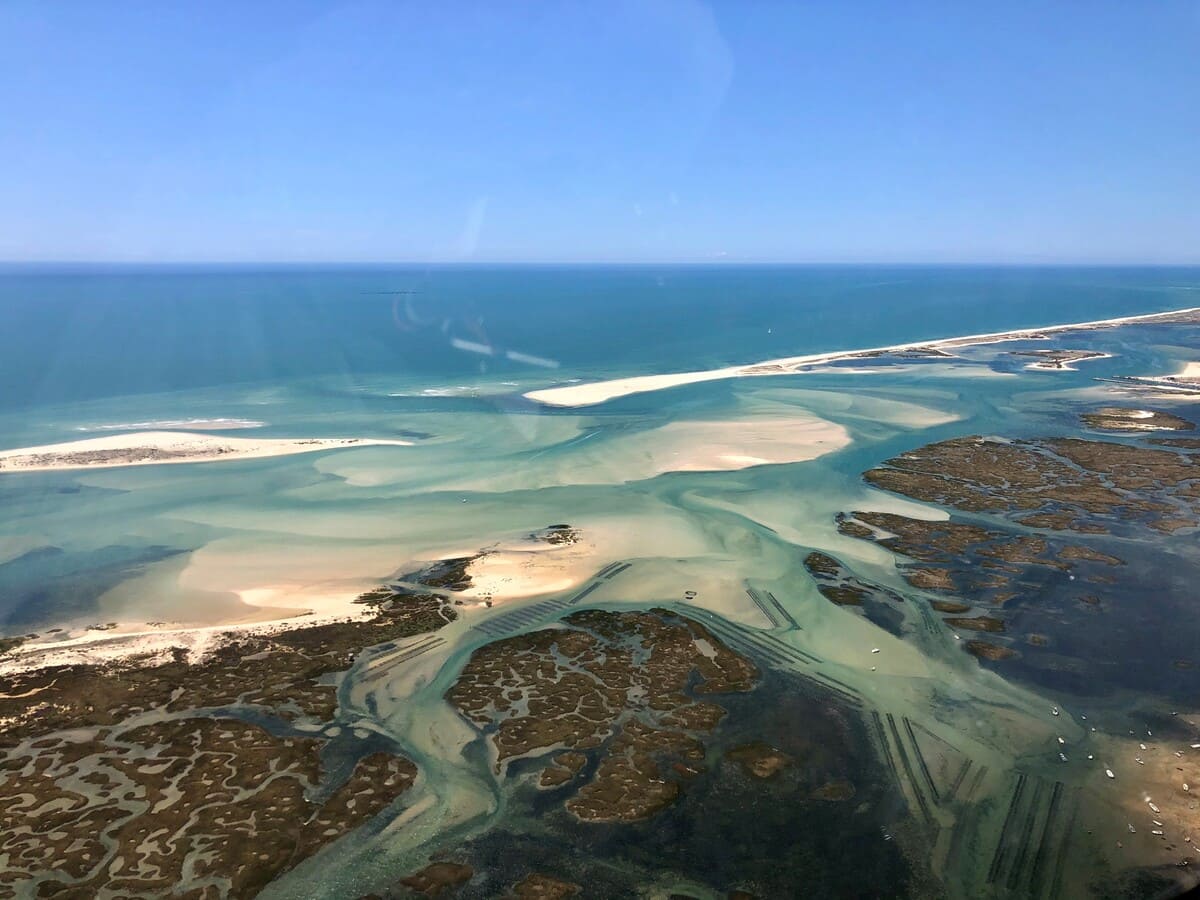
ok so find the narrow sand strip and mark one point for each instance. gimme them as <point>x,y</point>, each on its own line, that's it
<point>601,391</point>
<point>148,448</point>
<point>128,640</point>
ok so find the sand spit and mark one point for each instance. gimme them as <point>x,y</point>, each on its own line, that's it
<point>1185,382</point>
<point>601,391</point>
<point>146,448</point>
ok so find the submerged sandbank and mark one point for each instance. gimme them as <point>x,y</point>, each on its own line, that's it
<point>713,446</point>
<point>601,391</point>
<point>147,448</point>
<point>218,424</point>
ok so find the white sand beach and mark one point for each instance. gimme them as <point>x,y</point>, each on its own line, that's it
<point>602,391</point>
<point>147,448</point>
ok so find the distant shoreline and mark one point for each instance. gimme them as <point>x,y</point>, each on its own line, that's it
<point>601,391</point>
<point>91,265</point>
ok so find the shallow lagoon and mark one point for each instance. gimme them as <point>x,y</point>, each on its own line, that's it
<point>191,543</point>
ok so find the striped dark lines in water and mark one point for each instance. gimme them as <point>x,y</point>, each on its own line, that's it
<point>1064,845</point>
<point>1038,874</point>
<point>746,645</point>
<point>820,682</point>
<point>520,618</point>
<point>912,780</point>
<point>783,654</point>
<point>980,774</point>
<point>1002,843</point>
<point>810,657</point>
<point>762,606</point>
<point>617,571</point>
<point>883,742</point>
<point>958,779</point>
<point>608,569</point>
<point>1026,834</point>
<point>587,590</point>
<point>921,761</point>
<point>396,655</point>
<point>783,612</point>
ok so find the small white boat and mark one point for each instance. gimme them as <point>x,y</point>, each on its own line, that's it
<point>1109,773</point>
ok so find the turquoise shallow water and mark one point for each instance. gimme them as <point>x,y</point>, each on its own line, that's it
<point>330,353</point>
<point>86,352</point>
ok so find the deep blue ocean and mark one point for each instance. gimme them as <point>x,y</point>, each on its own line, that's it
<point>73,333</point>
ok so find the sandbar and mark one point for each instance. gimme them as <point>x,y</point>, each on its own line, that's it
<point>725,445</point>
<point>145,448</point>
<point>601,391</point>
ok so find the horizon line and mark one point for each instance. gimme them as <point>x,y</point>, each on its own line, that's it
<point>709,263</point>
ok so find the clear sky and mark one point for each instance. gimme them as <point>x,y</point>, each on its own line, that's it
<point>557,131</point>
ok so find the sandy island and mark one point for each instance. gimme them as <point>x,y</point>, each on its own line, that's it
<point>601,391</point>
<point>147,448</point>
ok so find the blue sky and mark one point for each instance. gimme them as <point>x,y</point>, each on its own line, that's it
<point>661,130</point>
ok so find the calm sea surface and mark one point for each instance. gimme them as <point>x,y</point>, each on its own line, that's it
<point>80,333</point>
